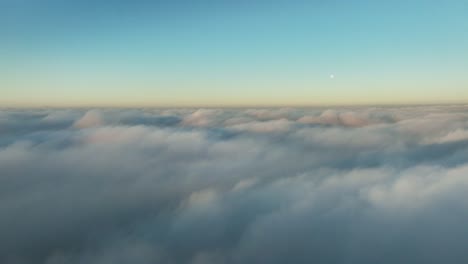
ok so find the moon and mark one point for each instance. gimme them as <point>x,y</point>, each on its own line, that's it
<point>332,76</point>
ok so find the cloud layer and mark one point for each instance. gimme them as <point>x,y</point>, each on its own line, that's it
<point>343,185</point>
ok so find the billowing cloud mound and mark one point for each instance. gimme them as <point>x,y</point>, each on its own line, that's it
<point>354,185</point>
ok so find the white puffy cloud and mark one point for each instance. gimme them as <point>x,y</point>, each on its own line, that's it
<point>200,117</point>
<point>280,125</point>
<point>91,118</point>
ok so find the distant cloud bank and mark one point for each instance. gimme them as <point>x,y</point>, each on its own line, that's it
<point>200,186</point>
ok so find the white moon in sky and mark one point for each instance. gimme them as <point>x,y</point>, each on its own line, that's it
<point>332,76</point>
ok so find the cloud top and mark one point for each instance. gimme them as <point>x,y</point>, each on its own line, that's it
<point>341,185</point>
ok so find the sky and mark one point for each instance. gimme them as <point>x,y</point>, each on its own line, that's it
<point>232,53</point>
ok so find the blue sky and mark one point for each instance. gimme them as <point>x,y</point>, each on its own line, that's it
<point>232,53</point>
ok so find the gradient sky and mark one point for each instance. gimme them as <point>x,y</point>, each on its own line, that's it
<point>232,53</point>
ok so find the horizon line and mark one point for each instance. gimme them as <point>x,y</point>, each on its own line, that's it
<point>226,106</point>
